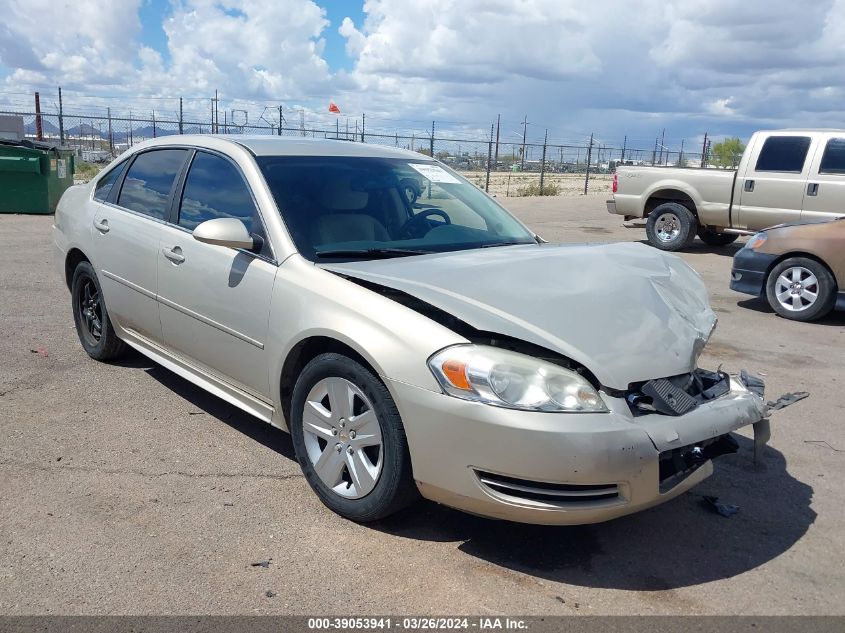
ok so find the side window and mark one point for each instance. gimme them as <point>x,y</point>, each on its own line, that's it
<point>215,188</point>
<point>783,153</point>
<point>106,183</point>
<point>149,180</point>
<point>833,159</point>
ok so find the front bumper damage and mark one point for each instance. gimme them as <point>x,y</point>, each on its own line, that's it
<point>559,469</point>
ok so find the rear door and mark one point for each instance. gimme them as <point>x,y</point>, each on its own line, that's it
<point>127,228</point>
<point>215,301</point>
<point>772,187</point>
<point>824,198</point>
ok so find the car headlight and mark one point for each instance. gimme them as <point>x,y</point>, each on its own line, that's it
<point>507,379</point>
<point>756,240</point>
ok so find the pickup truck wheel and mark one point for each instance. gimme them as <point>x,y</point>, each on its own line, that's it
<point>712,238</point>
<point>671,227</point>
<point>801,289</point>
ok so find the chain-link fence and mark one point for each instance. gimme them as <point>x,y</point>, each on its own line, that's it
<point>504,168</point>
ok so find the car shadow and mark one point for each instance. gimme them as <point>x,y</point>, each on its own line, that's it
<point>257,430</point>
<point>680,543</point>
<point>761,305</point>
<point>700,248</point>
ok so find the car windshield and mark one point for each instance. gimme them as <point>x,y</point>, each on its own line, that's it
<point>346,208</point>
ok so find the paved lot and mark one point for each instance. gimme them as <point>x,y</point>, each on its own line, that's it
<point>126,490</point>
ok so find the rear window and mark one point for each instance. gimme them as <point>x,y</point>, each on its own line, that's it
<point>149,180</point>
<point>106,183</point>
<point>833,159</point>
<point>783,153</point>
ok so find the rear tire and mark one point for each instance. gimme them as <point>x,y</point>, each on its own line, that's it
<point>712,238</point>
<point>349,440</point>
<point>801,289</point>
<point>93,325</point>
<point>671,227</point>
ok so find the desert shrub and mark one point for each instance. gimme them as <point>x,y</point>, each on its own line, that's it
<point>533,189</point>
<point>85,171</point>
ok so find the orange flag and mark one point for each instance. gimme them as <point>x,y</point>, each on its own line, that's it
<point>333,108</point>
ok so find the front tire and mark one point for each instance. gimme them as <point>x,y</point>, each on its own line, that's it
<point>712,238</point>
<point>801,289</point>
<point>93,325</point>
<point>671,227</point>
<point>349,440</point>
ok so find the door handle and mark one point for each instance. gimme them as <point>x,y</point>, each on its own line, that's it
<point>102,225</point>
<point>174,254</point>
<point>749,185</point>
<point>813,189</point>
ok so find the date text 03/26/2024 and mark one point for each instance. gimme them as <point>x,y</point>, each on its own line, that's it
<point>416,623</point>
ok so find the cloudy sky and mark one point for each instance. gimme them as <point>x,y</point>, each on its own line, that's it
<point>574,67</point>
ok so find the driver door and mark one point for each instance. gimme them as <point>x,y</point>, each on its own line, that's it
<point>215,301</point>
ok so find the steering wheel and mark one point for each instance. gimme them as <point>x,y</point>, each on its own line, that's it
<point>417,227</point>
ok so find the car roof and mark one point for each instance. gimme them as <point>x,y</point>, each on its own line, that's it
<point>268,145</point>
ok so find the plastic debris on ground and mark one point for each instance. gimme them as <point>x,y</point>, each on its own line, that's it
<point>725,509</point>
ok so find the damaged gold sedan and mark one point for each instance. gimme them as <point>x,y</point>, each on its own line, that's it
<point>411,344</point>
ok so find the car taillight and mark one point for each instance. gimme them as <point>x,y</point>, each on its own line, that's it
<point>615,182</point>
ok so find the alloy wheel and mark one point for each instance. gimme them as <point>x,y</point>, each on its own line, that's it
<point>90,311</point>
<point>667,227</point>
<point>796,289</point>
<point>342,437</point>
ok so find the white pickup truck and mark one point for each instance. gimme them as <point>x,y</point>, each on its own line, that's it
<point>784,176</point>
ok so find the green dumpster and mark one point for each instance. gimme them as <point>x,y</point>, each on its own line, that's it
<point>33,176</point>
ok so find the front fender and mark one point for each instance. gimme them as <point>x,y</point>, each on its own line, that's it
<point>395,340</point>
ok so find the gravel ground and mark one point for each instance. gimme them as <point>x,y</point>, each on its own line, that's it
<point>126,490</point>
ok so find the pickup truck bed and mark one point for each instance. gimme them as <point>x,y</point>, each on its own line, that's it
<point>783,176</point>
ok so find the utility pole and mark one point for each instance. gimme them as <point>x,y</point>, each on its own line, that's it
<point>662,143</point>
<point>489,155</point>
<point>589,158</point>
<point>280,120</point>
<point>212,116</point>
<point>431,141</point>
<point>216,114</point>
<point>363,120</point>
<point>131,140</point>
<point>654,152</point>
<point>524,133</point>
<point>704,152</point>
<point>498,124</point>
<point>681,155</point>
<point>543,161</point>
<point>154,123</point>
<point>181,131</point>
<point>624,144</point>
<point>111,136</point>
<point>61,119</point>
<point>39,132</point>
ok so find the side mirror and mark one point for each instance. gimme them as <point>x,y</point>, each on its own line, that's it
<point>228,232</point>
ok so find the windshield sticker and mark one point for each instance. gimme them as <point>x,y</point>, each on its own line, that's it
<point>434,173</point>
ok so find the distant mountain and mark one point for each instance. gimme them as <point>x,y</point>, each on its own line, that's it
<point>46,127</point>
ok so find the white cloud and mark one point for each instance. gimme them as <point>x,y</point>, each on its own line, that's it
<point>355,40</point>
<point>574,66</point>
<point>83,42</point>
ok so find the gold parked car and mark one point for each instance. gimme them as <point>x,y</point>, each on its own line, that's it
<point>410,334</point>
<point>799,268</point>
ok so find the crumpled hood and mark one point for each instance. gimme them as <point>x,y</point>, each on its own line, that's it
<point>625,311</point>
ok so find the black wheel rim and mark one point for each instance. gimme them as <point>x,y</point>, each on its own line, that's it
<point>90,312</point>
